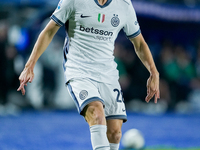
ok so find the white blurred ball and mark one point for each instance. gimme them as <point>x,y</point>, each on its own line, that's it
<point>133,138</point>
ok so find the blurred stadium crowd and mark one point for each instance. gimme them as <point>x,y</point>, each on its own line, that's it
<point>175,45</point>
<point>182,2</point>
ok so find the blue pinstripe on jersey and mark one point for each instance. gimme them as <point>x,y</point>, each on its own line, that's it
<point>65,51</point>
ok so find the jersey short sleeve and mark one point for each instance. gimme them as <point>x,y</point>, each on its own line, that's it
<point>63,11</point>
<point>131,28</point>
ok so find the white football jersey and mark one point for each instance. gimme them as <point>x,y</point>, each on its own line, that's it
<point>91,32</point>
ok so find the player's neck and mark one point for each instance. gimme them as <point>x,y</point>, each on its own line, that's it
<point>102,2</point>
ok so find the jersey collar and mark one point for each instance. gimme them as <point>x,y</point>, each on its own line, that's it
<point>102,6</point>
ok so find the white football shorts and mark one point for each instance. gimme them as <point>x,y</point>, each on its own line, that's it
<point>85,91</point>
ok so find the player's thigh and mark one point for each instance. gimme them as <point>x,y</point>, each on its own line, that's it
<point>94,113</point>
<point>114,125</point>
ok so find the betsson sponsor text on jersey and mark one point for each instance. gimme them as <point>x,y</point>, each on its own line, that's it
<point>106,35</point>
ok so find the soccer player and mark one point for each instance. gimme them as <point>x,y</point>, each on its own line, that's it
<point>89,68</point>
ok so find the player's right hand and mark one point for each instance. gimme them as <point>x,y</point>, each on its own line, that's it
<point>26,76</point>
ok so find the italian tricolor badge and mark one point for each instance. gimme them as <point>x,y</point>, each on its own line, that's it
<point>101,17</point>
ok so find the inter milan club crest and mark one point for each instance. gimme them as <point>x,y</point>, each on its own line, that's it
<point>115,21</point>
<point>101,17</point>
<point>83,94</point>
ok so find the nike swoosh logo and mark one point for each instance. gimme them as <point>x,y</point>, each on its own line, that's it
<point>84,16</point>
<point>123,110</point>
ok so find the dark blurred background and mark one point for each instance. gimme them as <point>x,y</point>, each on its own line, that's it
<point>170,27</point>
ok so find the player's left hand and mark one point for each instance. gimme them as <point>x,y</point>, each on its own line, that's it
<point>153,88</point>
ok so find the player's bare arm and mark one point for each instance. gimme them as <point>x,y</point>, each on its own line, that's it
<point>143,52</point>
<point>41,44</point>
